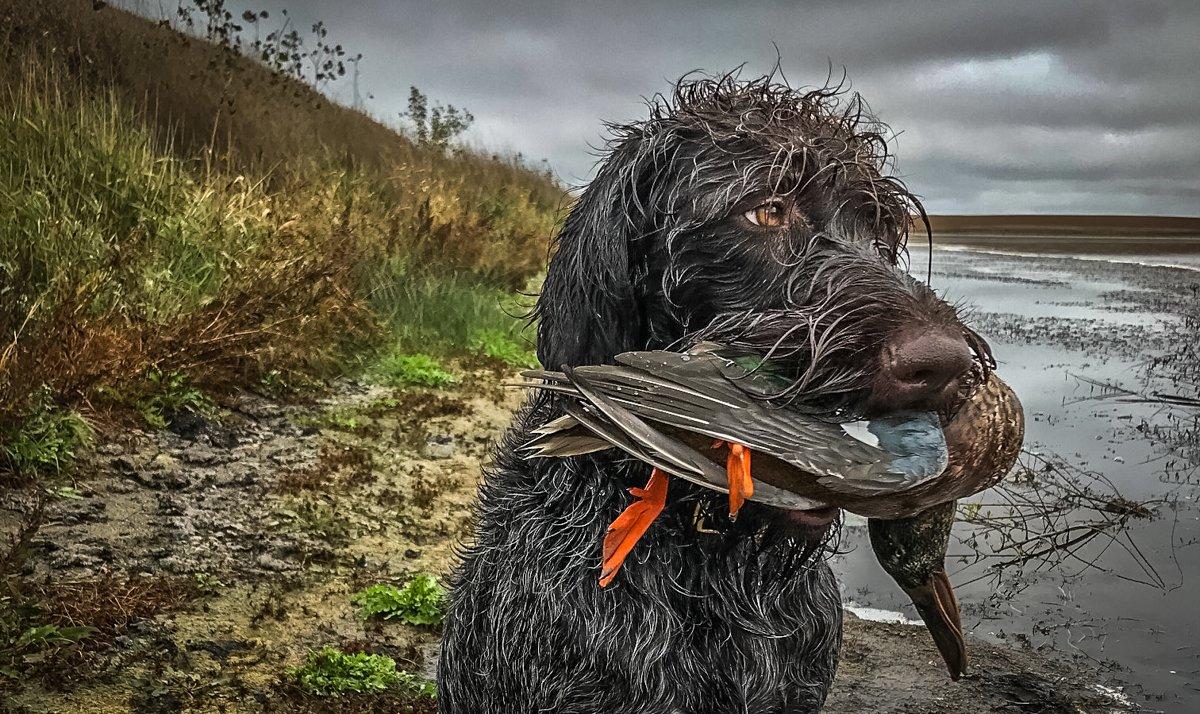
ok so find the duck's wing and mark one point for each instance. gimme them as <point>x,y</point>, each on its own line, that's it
<point>631,434</point>
<point>563,437</point>
<point>689,391</point>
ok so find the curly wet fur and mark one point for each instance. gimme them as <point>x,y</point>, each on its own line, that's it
<point>693,623</point>
<point>655,252</point>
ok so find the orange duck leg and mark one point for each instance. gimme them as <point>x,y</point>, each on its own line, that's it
<point>624,532</point>
<point>628,528</point>
<point>737,466</point>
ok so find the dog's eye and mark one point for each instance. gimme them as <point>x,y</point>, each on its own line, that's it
<point>771,214</point>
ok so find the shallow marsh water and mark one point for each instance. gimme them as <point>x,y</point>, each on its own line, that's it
<point>1054,321</point>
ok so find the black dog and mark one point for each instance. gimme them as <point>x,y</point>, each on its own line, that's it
<point>735,198</point>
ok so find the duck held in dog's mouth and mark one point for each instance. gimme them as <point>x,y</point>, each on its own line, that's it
<point>687,414</point>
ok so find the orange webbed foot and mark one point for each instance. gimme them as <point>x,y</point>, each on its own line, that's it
<point>624,532</point>
<point>737,466</point>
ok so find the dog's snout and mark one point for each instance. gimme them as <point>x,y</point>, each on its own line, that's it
<point>927,360</point>
<point>920,369</point>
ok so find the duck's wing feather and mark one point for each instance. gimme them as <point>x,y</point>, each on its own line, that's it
<point>689,391</point>
<point>629,433</point>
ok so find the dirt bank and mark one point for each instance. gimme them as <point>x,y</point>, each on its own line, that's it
<point>213,557</point>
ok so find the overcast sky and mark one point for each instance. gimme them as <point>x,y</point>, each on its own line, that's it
<point>1000,107</point>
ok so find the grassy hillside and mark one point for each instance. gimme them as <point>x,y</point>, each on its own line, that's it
<point>176,220</point>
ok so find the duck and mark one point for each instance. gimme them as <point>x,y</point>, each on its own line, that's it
<point>705,413</point>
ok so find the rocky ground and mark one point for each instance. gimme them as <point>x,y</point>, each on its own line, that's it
<point>211,557</point>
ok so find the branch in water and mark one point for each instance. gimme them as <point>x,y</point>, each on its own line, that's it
<point>1051,515</point>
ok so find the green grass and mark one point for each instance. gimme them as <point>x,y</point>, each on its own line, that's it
<point>503,346</point>
<point>414,370</point>
<point>443,314</point>
<point>330,672</point>
<point>143,269</point>
<point>90,199</point>
<point>44,439</point>
<point>422,601</point>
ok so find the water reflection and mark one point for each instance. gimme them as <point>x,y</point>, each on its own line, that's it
<point>1051,321</point>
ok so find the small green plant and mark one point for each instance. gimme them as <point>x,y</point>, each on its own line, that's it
<point>208,583</point>
<point>44,636</point>
<point>23,643</point>
<point>44,440</point>
<point>418,370</point>
<point>329,671</point>
<point>319,518</point>
<point>417,685</point>
<point>64,493</point>
<point>169,394</point>
<point>502,346</point>
<point>422,601</point>
<point>342,419</point>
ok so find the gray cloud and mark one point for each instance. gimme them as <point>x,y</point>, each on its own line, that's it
<point>1059,105</point>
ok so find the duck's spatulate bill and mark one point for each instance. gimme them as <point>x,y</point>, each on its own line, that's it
<point>938,607</point>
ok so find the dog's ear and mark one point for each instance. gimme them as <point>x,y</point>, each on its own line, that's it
<point>589,309</point>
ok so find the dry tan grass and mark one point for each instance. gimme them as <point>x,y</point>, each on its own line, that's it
<point>172,209</point>
<point>464,210</point>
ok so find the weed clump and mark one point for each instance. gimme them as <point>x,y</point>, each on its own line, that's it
<point>414,370</point>
<point>170,395</point>
<point>329,672</point>
<point>422,601</point>
<point>43,439</point>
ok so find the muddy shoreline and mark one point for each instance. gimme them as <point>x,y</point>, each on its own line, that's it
<point>252,529</point>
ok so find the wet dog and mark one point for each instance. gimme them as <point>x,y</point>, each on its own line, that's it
<point>734,199</point>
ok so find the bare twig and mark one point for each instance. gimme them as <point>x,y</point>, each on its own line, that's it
<point>1049,515</point>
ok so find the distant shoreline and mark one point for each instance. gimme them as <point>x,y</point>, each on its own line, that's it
<point>1111,235</point>
<point>1060,243</point>
<point>1083,225</point>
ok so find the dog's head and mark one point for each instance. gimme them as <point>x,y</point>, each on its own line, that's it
<point>737,200</point>
<point>754,214</point>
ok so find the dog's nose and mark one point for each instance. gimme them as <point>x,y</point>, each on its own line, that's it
<point>920,369</point>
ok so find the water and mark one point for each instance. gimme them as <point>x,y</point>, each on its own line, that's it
<point>1187,260</point>
<point>1051,321</point>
